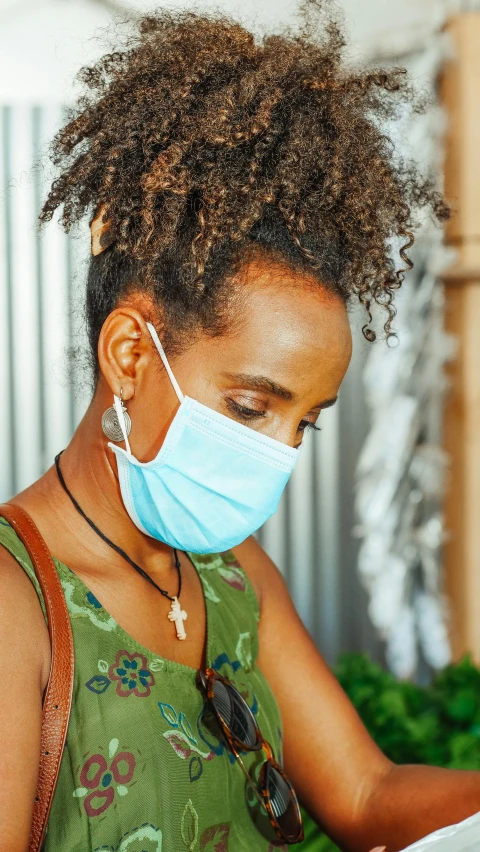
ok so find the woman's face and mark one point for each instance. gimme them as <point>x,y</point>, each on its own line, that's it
<point>281,362</point>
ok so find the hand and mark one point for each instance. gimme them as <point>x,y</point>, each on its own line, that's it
<point>379,849</point>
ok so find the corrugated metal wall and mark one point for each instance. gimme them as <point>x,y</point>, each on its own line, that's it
<point>45,393</point>
<point>37,287</point>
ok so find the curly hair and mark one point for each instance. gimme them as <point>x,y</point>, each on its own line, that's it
<point>205,144</point>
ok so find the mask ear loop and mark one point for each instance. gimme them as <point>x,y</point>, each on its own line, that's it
<point>119,409</point>
<point>167,366</point>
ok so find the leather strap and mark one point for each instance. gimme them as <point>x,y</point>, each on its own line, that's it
<point>58,694</point>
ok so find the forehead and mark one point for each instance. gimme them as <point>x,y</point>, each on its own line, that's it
<point>289,327</point>
<point>293,308</point>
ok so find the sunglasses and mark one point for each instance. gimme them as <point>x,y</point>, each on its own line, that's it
<point>238,724</point>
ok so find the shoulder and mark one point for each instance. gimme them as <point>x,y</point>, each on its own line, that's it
<point>24,631</point>
<point>25,653</point>
<point>276,608</point>
<point>262,572</point>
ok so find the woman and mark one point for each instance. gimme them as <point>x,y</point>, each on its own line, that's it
<point>242,194</point>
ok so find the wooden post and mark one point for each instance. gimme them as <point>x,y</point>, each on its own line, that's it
<point>461,92</point>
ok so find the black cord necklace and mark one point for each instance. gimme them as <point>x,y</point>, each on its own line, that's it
<point>176,613</point>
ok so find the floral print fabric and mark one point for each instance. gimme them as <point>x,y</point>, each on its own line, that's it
<point>145,768</point>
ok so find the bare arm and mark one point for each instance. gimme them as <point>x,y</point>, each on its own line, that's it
<point>350,788</point>
<point>25,655</point>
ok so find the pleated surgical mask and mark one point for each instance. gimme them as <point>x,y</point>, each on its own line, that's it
<point>213,482</point>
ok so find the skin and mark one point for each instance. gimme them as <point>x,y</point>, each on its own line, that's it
<point>298,337</point>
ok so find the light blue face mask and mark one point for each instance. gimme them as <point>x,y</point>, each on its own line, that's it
<point>213,482</point>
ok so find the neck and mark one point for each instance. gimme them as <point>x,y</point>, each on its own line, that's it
<point>90,473</point>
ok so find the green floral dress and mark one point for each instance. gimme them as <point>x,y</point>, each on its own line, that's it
<point>144,769</point>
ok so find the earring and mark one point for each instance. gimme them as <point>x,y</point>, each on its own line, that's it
<point>110,425</point>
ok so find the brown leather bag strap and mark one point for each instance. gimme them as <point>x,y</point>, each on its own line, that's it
<point>58,695</point>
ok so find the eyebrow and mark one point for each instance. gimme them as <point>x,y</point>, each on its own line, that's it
<point>261,383</point>
<point>268,385</point>
<point>327,403</point>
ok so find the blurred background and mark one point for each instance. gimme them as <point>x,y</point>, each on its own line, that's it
<point>377,533</point>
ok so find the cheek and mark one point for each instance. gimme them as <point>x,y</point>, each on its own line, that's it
<point>152,411</point>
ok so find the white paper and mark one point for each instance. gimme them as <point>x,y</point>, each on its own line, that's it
<point>462,837</point>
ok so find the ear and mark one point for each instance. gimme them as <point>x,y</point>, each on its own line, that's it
<point>124,350</point>
<point>100,231</point>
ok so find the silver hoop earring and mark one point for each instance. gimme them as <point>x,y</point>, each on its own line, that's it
<point>110,425</point>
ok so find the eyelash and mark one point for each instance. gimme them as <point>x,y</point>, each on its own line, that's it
<point>308,426</point>
<point>251,413</point>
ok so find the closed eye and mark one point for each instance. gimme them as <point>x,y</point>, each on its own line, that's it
<point>242,412</point>
<point>246,414</point>
<point>305,425</point>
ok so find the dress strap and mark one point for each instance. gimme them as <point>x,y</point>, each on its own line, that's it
<point>57,700</point>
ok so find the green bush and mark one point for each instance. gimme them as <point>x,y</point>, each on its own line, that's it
<point>438,724</point>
